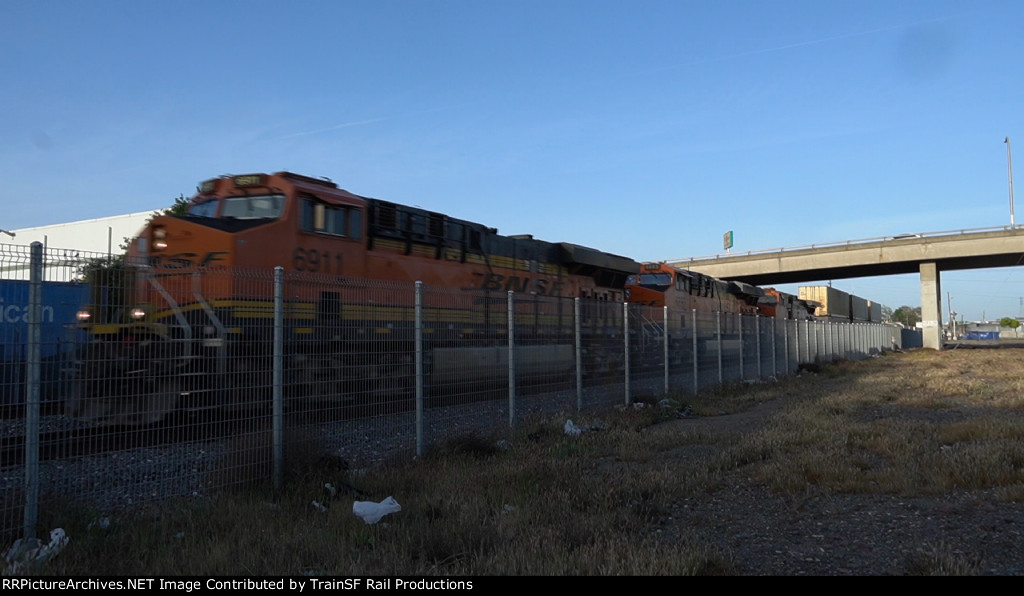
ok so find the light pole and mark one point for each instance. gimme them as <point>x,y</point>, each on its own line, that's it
<point>1009,175</point>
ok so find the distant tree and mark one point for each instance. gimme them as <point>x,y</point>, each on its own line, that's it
<point>1010,322</point>
<point>111,271</point>
<point>886,313</point>
<point>907,315</point>
<point>180,207</point>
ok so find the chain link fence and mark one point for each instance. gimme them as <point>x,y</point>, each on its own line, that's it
<point>122,385</point>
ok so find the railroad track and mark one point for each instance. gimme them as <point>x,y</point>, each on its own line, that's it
<point>206,425</point>
<point>83,441</point>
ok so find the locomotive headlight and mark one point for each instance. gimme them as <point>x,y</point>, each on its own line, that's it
<point>83,316</point>
<point>138,314</point>
<point>159,238</point>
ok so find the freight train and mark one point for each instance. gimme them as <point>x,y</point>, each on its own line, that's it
<point>183,327</point>
<point>185,323</point>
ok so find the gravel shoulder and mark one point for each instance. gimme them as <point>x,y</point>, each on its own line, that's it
<point>824,533</point>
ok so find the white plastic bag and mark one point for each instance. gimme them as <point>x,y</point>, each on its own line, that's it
<point>29,554</point>
<point>371,512</point>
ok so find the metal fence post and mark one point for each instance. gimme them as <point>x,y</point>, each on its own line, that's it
<point>579,353</point>
<point>815,327</point>
<point>696,368</point>
<point>665,338</point>
<point>837,333</point>
<point>278,377</point>
<point>511,360</point>
<point>757,343</point>
<point>817,344</point>
<point>739,328</point>
<point>807,340</point>
<point>625,345</point>
<point>32,373</point>
<point>841,341</point>
<point>418,332</point>
<point>775,340</point>
<point>836,341</point>
<point>718,336</point>
<point>785,344</point>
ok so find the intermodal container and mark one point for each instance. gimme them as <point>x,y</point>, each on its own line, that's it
<point>58,335</point>
<point>834,303</point>
<point>859,309</point>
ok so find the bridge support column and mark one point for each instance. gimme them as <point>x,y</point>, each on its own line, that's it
<point>931,306</point>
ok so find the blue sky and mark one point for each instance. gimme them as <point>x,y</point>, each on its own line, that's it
<point>646,128</point>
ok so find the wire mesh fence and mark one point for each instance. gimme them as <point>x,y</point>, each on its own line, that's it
<point>121,386</point>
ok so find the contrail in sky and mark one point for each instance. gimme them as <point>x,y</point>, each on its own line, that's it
<point>330,128</point>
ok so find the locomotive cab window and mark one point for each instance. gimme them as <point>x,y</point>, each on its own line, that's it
<point>207,209</point>
<point>257,207</point>
<point>329,219</point>
<point>659,281</point>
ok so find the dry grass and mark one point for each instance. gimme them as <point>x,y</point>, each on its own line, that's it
<point>607,501</point>
<point>920,424</point>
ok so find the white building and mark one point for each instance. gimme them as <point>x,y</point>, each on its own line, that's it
<point>66,245</point>
<point>101,235</point>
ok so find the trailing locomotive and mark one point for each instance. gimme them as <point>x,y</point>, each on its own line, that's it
<point>782,305</point>
<point>191,331</point>
<point>689,293</point>
<point>660,284</point>
<point>684,293</point>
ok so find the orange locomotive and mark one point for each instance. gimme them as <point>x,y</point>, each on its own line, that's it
<point>687,295</point>
<point>782,305</point>
<point>310,225</point>
<point>660,284</point>
<point>190,315</point>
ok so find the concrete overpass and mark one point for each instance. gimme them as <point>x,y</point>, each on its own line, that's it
<point>927,254</point>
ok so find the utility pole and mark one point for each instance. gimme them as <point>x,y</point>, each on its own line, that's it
<point>952,316</point>
<point>1009,175</point>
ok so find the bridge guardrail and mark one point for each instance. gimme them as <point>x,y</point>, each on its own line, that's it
<point>915,235</point>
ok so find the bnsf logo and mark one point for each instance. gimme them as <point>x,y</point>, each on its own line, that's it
<point>187,260</point>
<point>515,283</point>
